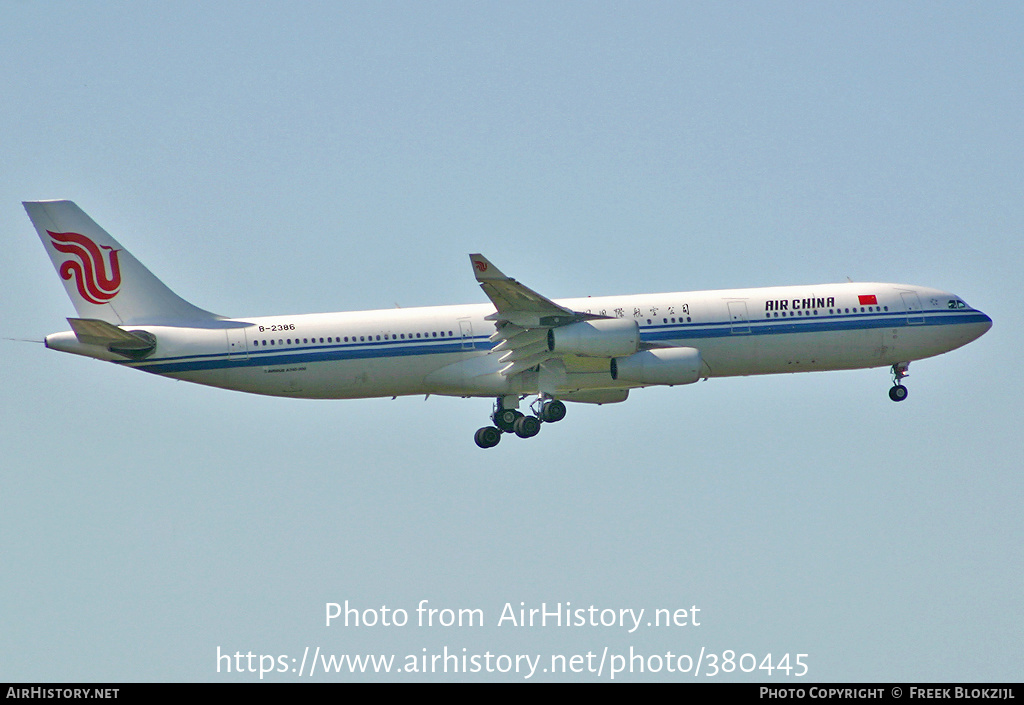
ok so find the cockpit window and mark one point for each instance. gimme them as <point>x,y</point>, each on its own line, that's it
<point>956,304</point>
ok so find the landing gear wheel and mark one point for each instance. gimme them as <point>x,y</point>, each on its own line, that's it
<point>487,437</point>
<point>899,371</point>
<point>505,419</point>
<point>527,426</point>
<point>552,411</point>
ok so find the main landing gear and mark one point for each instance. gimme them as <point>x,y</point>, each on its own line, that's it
<point>511,420</point>
<point>898,392</point>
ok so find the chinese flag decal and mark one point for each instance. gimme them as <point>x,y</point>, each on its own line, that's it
<point>867,300</point>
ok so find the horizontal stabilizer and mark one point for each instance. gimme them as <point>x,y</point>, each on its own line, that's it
<point>90,331</point>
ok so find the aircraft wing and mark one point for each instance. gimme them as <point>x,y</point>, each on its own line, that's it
<point>516,303</point>
<point>522,319</point>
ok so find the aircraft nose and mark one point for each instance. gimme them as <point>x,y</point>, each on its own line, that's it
<point>981,327</point>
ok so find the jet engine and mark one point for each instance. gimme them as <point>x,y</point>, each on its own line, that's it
<point>659,366</point>
<point>601,337</point>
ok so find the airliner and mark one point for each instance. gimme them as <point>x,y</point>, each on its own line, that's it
<point>519,346</point>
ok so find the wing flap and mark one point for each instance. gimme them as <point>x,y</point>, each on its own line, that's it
<point>522,338</point>
<point>524,351</point>
<point>526,363</point>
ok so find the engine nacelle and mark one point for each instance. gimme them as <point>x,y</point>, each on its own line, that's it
<point>596,396</point>
<point>602,337</point>
<point>658,366</point>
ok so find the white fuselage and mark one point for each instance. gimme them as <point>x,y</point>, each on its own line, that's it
<point>447,349</point>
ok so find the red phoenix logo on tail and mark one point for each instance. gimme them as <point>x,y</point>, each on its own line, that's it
<point>89,269</point>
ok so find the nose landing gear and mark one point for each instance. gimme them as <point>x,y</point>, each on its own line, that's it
<point>898,392</point>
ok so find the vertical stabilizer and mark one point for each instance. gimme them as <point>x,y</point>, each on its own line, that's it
<point>102,278</point>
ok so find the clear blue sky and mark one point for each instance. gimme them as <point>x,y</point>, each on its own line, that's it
<point>287,158</point>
